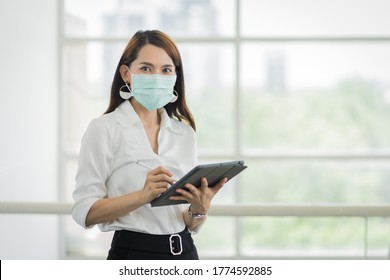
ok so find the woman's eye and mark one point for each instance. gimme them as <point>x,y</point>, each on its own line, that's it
<point>167,70</point>
<point>145,68</point>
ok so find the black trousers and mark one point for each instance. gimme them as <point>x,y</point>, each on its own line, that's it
<point>130,245</point>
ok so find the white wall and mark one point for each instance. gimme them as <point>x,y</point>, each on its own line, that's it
<point>28,123</point>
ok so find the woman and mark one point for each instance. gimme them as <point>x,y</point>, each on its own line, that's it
<point>131,154</point>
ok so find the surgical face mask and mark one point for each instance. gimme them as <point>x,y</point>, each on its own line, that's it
<point>153,91</point>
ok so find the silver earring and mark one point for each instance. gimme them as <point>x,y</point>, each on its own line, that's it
<point>175,97</point>
<point>125,94</point>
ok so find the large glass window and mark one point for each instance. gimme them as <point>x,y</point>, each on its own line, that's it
<point>344,18</point>
<point>211,71</point>
<point>335,94</point>
<point>300,90</point>
<point>122,18</point>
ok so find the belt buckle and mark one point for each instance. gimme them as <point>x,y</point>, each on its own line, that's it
<point>171,243</point>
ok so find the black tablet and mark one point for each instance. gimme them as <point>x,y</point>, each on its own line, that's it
<point>213,172</point>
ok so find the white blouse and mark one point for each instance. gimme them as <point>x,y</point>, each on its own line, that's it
<point>107,167</point>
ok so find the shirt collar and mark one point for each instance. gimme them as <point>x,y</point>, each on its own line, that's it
<point>126,116</point>
<point>170,123</point>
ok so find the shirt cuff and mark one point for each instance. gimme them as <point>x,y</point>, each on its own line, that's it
<point>81,209</point>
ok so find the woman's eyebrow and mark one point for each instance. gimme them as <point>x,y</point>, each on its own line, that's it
<point>152,65</point>
<point>146,63</point>
<point>168,65</point>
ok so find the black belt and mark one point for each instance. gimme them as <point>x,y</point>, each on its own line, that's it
<point>174,244</point>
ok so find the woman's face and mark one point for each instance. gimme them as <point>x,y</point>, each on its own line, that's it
<point>153,60</point>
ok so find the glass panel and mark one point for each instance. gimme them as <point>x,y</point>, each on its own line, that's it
<point>303,237</point>
<point>69,180</point>
<point>175,17</point>
<point>210,81</point>
<point>315,182</point>
<point>211,241</point>
<point>315,18</point>
<point>88,73</point>
<point>315,96</point>
<point>378,237</point>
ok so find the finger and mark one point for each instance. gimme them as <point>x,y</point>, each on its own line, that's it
<point>160,170</point>
<point>204,184</point>
<point>157,192</point>
<point>162,178</point>
<point>178,197</point>
<point>193,193</point>
<point>219,185</point>
<point>160,185</point>
<point>185,194</point>
<point>192,189</point>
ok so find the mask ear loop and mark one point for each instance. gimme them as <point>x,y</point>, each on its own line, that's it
<point>125,94</point>
<point>175,97</point>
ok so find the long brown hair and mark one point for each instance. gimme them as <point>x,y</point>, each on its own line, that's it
<point>178,109</point>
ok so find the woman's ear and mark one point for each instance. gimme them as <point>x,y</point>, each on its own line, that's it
<point>125,73</point>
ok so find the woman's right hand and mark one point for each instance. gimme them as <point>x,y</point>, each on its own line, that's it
<point>109,209</point>
<point>157,181</point>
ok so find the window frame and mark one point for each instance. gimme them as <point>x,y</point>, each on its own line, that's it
<point>238,151</point>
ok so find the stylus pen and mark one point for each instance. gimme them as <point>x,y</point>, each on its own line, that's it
<point>149,167</point>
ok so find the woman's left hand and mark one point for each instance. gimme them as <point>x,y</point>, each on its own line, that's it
<point>199,198</point>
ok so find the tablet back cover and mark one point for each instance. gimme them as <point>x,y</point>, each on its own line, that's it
<point>212,172</point>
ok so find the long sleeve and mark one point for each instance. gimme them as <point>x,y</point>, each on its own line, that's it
<point>94,167</point>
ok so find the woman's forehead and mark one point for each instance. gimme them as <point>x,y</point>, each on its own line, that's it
<point>154,55</point>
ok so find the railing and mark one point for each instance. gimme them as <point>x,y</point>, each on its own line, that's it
<point>236,210</point>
